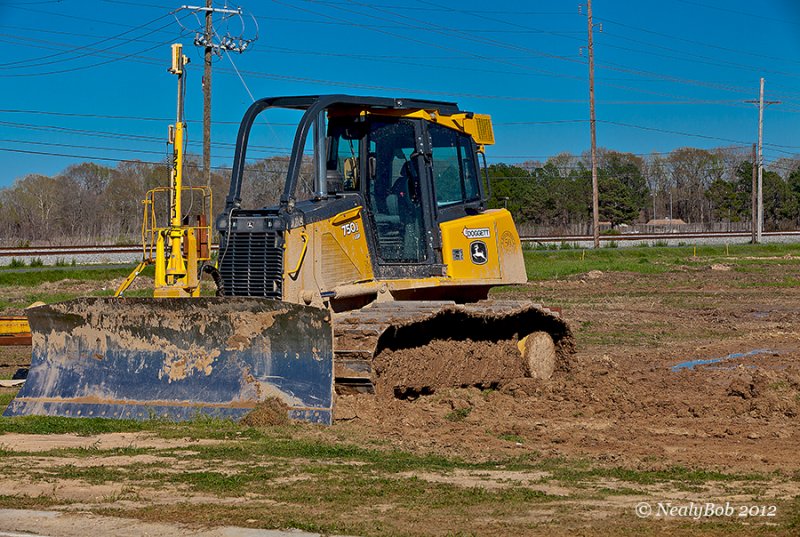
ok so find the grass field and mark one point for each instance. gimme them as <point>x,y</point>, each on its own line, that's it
<point>545,265</point>
<point>572,459</point>
<point>285,477</point>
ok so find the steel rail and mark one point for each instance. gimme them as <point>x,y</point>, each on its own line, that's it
<point>130,249</point>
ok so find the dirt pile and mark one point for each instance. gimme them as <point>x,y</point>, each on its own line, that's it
<point>271,411</point>
<point>409,372</point>
<point>703,372</point>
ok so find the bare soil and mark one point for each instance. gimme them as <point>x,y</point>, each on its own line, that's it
<point>424,368</point>
<point>620,398</point>
<point>697,369</point>
<point>14,358</point>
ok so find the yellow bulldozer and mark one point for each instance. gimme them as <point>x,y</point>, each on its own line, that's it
<point>376,279</point>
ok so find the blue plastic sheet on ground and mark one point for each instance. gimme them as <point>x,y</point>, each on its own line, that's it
<point>733,356</point>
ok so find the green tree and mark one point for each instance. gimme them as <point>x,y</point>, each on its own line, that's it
<point>618,202</point>
<point>627,168</point>
<point>692,171</point>
<point>723,198</point>
<point>517,189</point>
<point>780,203</point>
<point>567,198</point>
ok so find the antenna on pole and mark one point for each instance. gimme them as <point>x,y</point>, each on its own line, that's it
<point>215,43</point>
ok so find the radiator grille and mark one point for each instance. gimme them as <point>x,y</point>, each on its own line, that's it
<point>252,264</point>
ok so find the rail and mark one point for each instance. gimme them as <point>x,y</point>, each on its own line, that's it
<point>35,251</point>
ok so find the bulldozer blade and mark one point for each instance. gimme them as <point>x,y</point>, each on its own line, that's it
<point>142,358</point>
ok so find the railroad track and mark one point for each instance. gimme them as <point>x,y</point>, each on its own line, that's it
<point>66,252</point>
<point>654,237</point>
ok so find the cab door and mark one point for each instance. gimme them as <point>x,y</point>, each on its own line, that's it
<point>453,173</point>
<point>399,200</point>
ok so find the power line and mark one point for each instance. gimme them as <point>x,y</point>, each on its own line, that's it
<point>147,138</point>
<point>702,59</point>
<point>447,31</point>
<point>735,11</point>
<point>417,64</point>
<point>37,62</point>
<point>124,136</point>
<point>372,27</point>
<point>693,58</point>
<point>93,147</point>
<point>611,85</point>
<point>72,17</point>
<point>476,11</point>
<point>694,135</point>
<point>84,67</point>
<point>110,116</point>
<point>694,41</point>
<point>348,22</point>
<point>550,122</point>
<point>95,157</point>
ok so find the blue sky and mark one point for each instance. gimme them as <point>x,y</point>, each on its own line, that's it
<point>88,78</point>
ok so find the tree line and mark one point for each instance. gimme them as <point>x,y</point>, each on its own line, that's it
<point>693,185</point>
<point>91,203</point>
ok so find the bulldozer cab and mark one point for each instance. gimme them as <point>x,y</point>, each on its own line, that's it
<point>410,165</point>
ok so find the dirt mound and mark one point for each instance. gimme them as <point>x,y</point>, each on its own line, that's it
<point>271,411</point>
<point>448,363</point>
<point>704,372</point>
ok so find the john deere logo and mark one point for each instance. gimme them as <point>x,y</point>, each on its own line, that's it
<point>478,252</point>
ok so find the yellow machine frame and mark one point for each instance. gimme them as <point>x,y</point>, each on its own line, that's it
<point>173,248</point>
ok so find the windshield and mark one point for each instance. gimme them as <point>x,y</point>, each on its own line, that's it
<point>269,148</point>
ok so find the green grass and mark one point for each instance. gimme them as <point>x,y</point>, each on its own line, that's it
<point>94,475</point>
<point>293,479</point>
<point>5,398</point>
<point>80,426</point>
<point>544,265</point>
<point>458,415</point>
<point>575,471</point>
<point>29,298</point>
<point>36,277</point>
<point>794,514</point>
<point>622,491</point>
<point>245,445</point>
<point>102,277</point>
<point>267,446</point>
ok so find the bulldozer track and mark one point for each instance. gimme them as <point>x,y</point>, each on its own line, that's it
<point>361,336</point>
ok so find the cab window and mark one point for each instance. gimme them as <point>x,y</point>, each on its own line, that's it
<point>455,178</point>
<point>393,192</point>
<point>342,169</point>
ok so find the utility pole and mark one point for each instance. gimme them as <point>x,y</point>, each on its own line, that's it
<point>754,200</point>
<point>592,128</point>
<point>760,201</point>
<point>206,37</point>
<point>207,93</point>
